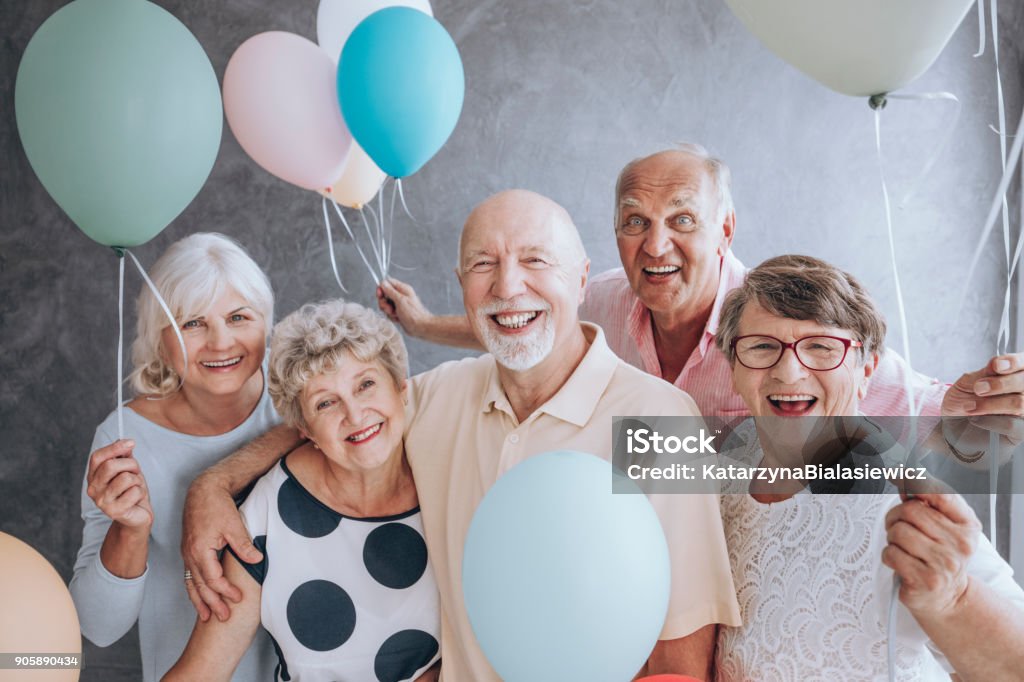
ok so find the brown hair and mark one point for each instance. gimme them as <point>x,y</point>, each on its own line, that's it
<point>804,288</point>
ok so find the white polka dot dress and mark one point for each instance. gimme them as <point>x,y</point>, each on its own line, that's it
<point>345,599</point>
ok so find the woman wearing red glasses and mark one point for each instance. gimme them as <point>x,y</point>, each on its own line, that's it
<point>814,572</point>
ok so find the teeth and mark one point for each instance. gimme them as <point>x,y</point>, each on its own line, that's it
<point>790,398</point>
<point>515,321</point>
<point>222,363</point>
<point>661,269</point>
<point>363,435</point>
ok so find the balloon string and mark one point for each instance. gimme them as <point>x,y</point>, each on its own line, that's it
<point>352,236</point>
<point>380,227</point>
<point>167,312</point>
<point>995,207</point>
<point>908,386</point>
<point>390,239</point>
<point>993,482</point>
<point>370,231</point>
<point>330,245</point>
<point>391,223</point>
<point>373,215</point>
<point>120,346</point>
<point>401,195</point>
<point>981,28</point>
<point>943,142</point>
<point>1003,337</point>
<point>894,602</point>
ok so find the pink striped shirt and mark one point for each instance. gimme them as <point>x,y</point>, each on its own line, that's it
<point>706,376</point>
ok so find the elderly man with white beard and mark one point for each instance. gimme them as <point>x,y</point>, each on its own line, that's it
<point>548,382</point>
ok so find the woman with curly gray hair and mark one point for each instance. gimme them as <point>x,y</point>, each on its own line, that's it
<point>344,587</point>
<point>191,410</point>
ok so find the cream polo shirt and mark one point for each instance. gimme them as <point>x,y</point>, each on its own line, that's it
<point>463,435</point>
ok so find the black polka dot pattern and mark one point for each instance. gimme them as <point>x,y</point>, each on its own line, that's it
<point>303,515</point>
<point>321,615</point>
<point>349,598</point>
<point>259,570</point>
<point>402,654</point>
<point>395,555</point>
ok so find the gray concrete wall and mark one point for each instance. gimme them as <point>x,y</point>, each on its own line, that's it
<point>559,96</point>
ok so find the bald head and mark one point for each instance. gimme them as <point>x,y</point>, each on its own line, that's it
<point>677,167</point>
<point>504,214</point>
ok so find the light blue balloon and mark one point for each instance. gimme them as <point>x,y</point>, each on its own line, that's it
<point>563,579</point>
<point>119,111</point>
<point>400,87</point>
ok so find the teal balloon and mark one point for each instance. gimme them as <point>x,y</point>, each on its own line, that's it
<point>400,87</point>
<point>119,111</point>
<point>564,579</point>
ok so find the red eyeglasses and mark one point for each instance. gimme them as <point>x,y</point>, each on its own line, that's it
<point>818,353</point>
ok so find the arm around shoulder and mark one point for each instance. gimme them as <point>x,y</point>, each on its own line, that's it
<point>211,521</point>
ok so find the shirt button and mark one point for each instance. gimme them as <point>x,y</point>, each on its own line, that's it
<point>514,438</point>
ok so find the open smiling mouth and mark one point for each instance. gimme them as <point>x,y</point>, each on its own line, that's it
<point>657,272</point>
<point>366,434</point>
<point>792,405</point>
<point>515,321</point>
<point>221,364</point>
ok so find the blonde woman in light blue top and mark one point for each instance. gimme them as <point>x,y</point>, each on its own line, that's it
<point>189,412</point>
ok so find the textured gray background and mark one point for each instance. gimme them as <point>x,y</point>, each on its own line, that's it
<point>559,96</point>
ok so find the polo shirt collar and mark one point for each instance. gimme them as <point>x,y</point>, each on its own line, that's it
<point>730,277</point>
<point>577,399</point>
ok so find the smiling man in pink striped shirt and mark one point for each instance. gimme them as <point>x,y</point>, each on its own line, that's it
<point>674,226</point>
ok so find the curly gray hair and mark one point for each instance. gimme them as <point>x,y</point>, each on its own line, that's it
<point>313,339</point>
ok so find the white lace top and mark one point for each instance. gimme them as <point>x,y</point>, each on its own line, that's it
<point>814,595</point>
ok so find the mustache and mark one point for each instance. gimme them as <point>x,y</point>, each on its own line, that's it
<point>518,303</point>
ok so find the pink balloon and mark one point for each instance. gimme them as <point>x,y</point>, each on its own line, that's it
<point>281,103</point>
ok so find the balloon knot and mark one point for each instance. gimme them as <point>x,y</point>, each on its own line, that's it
<point>119,250</point>
<point>877,101</point>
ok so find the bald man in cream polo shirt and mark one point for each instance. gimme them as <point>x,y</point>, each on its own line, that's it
<point>548,382</point>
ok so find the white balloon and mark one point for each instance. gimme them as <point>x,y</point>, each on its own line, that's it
<point>856,47</point>
<point>336,19</point>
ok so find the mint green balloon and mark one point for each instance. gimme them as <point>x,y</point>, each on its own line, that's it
<point>119,110</point>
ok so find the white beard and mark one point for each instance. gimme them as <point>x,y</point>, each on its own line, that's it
<point>522,352</point>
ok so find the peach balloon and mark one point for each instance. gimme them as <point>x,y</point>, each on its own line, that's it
<point>359,182</point>
<point>37,615</point>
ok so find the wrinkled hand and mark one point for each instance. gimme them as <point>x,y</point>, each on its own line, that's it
<point>400,303</point>
<point>996,388</point>
<point>210,522</point>
<point>990,400</point>
<point>931,539</point>
<point>116,484</point>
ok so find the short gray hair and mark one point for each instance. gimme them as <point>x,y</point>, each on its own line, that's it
<point>717,170</point>
<point>190,276</point>
<point>804,288</point>
<point>313,339</point>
